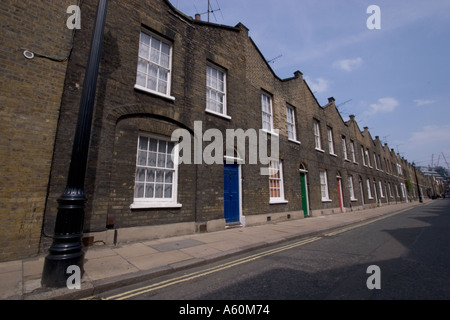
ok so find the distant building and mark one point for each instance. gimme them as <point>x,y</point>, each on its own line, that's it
<point>163,71</point>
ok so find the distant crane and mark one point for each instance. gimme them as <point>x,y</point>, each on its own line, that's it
<point>448,166</point>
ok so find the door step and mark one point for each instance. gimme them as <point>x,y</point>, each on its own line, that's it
<point>233,225</point>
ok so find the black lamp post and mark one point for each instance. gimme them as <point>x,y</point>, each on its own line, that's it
<point>67,247</point>
<point>417,182</point>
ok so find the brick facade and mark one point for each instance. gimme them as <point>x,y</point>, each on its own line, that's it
<point>30,100</point>
<point>123,112</point>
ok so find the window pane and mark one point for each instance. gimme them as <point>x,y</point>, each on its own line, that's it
<point>169,176</point>
<point>165,48</point>
<point>152,159</point>
<point>153,71</point>
<point>170,147</point>
<point>170,163</point>
<point>159,176</point>
<point>162,146</point>
<point>149,190</point>
<point>151,175</point>
<point>151,83</point>
<point>142,65</point>
<point>161,160</point>
<point>145,38</point>
<point>141,79</point>
<point>165,60</point>
<point>153,145</point>
<point>156,44</point>
<point>144,51</point>
<point>158,191</point>
<point>162,86</point>
<point>139,190</point>
<point>140,175</point>
<point>142,158</point>
<point>154,56</point>
<point>143,143</point>
<point>168,191</point>
<point>163,75</point>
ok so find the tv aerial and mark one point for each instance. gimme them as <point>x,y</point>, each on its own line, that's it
<point>211,10</point>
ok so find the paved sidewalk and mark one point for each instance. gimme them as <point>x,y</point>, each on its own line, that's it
<point>107,267</point>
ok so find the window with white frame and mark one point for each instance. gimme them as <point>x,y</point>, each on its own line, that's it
<point>402,187</point>
<point>344,147</point>
<point>216,90</point>
<point>369,192</point>
<point>276,187</point>
<point>363,156</point>
<point>399,169</point>
<point>324,185</point>
<point>290,115</point>
<point>154,64</point>
<point>267,113</point>
<point>368,158</point>
<point>380,185</point>
<point>351,188</point>
<point>156,173</point>
<point>330,140</point>
<point>317,135</point>
<point>352,151</point>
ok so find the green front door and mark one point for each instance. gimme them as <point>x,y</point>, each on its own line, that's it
<point>304,191</point>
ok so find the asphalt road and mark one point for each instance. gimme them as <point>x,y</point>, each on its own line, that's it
<point>410,249</point>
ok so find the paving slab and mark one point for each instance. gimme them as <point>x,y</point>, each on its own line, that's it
<point>155,260</point>
<point>176,245</point>
<point>11,284</point>
<point>109,266</point>
<point>201,251</point>
<point>134,250</point>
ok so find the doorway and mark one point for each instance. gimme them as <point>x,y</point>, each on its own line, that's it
<point>231,193</point>
<point>304,190</point>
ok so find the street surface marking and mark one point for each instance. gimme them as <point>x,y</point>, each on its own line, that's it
<point>198,274</point>
<point>363,224</point>
<point>194,275</point>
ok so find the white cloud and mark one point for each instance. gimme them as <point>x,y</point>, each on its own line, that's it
<point>318,86</point>
<point>348,64</point>
<point>384,105</point>
<point>420,102</point>
<point>429,140</point>
<point>431,135</point>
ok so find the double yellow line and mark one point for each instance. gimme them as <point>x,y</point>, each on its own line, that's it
<point>363,224</point>
<point>194,275</point>
<point>202,273</point>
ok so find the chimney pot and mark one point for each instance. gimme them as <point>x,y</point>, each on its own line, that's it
<point>197,16</point>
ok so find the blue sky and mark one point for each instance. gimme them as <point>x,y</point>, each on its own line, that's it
<point>395,80</point>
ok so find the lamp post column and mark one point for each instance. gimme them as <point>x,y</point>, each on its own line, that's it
<point>67,247</point>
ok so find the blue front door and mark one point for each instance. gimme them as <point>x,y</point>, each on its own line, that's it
<point>231,192</point>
